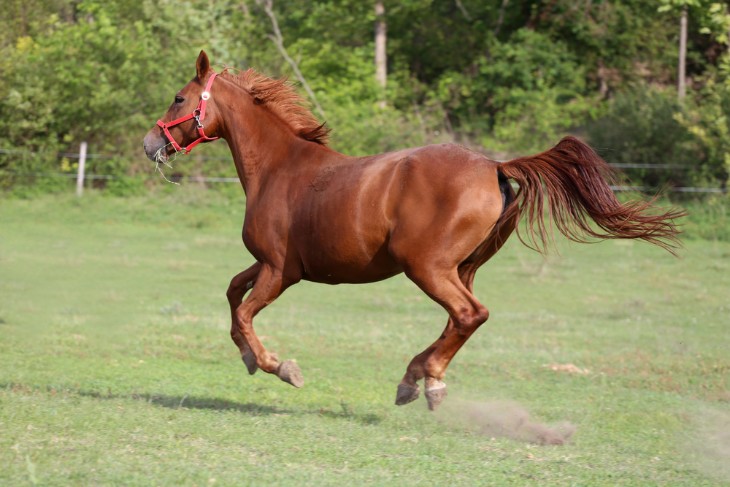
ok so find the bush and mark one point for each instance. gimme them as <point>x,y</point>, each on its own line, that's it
<point>528,93</point>
<point>707,117</point>
<point>641,129</point>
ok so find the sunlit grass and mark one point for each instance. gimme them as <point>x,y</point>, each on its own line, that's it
<point>116,366</point>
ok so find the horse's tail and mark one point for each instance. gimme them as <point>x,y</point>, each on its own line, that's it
<point>576,182</point>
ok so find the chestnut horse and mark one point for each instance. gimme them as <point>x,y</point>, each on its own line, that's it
<point>436,213</point>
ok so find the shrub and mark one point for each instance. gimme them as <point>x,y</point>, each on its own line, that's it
<point>641,131</point>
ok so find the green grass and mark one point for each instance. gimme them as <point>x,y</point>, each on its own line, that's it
<point>116,367</point>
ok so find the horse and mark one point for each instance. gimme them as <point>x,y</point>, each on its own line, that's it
<point>436,213</point>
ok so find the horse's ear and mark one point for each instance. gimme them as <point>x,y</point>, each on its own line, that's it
<point>202,65</point>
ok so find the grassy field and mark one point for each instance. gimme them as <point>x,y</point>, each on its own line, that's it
<point>116,367</point>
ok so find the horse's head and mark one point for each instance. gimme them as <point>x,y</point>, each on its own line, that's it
<point>191,119</point>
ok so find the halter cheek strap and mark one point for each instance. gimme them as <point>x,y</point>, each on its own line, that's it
<point>198,115</point>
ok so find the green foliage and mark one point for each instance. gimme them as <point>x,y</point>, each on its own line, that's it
<point>648,126</point>
<point>100,79</point>
<point>707,117</point>
<point>511,76</point>
<point>126,186</point>
<point>641,127</point>
<point>709,218</point>
<point>526,93</point>
<point>535,90</point>
<point>617,42</point>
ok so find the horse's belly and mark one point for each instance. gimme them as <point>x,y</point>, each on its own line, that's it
<point>345,276</point>
<point>343,225</point>
<point>334,264</point>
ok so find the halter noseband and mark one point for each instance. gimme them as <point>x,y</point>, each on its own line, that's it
<point>198,115</point>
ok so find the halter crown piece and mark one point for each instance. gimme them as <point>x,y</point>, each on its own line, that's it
<point>198,115</point>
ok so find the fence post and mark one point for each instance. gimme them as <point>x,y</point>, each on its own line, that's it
<point>82,170</point>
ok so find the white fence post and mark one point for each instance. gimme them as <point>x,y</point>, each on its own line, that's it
<point>82,170</point>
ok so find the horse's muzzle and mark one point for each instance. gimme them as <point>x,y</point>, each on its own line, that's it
<point>155,146</point>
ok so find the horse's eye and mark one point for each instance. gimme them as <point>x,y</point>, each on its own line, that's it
<point>179,99</point>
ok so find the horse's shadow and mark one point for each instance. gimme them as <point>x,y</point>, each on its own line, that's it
<point>189,402</point>
<point>209,403</point>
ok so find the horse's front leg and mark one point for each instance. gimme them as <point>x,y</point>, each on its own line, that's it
<point>269,285</point>
<point>240,284</point>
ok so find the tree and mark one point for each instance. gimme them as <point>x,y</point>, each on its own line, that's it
<point>709,14</point>
<point>682,6</point>
<point>682,64</point>
<point>381,58</point>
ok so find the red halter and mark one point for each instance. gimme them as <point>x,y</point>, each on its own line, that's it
<point>198,114</point>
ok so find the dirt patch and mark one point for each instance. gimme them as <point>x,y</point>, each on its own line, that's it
<point>568,369</point>
<point>503,419</point>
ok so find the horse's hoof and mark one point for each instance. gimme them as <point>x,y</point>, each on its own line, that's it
<point>435,393</point>
<point>250,360</point>
<point>290,372</point>
<point>406,393</point>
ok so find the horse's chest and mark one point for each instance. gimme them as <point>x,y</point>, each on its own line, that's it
<point>264,236</point>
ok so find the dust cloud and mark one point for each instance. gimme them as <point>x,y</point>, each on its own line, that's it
<point>502,419</point>
<point>710,445</point>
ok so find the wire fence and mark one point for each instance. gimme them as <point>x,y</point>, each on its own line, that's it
<point>220,179</point>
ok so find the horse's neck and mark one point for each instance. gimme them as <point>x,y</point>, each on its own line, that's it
<point>258,145</point>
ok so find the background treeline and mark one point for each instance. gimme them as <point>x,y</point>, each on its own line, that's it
<point>504,76</point>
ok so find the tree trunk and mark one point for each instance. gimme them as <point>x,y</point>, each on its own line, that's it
<point>381,59</point>
<point>682,71</point>
<point>500,17</point>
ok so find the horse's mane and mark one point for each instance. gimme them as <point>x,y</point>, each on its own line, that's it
<point>280,97</point>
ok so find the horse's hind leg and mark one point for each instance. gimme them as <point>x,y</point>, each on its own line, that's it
<point>446,347</point>
<point>451,289</point>
<point>408,390</point>
<point>431,364</point>
<point>240,284</point>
